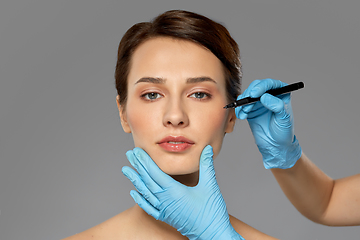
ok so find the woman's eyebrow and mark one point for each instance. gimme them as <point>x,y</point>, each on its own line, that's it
<point>200,79</point>
<point>151,80</point>
<point>162,80</point>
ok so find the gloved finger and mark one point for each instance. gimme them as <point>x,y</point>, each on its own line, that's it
<point>145,175</point>
<point>280,107</point>
<point>256,89</point>
<point>242,111</point>
<point>282,128</point>
<point>145,205</point>
<point>284,119</point>
<point>206,168</point>
<point>264,85</point>
<point>140,185</point>
<point>257,111</point>
<point>272,103</point>
<point>148,168</point>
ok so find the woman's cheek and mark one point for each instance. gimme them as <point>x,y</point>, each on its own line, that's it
<point>214,117</point>
<point>144,121</point>
<point>220,119</point>
<point>216,125</point>
<point>134,119</point>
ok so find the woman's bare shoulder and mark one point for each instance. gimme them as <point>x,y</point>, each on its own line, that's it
<point>247,231</point>
<point>120,226</point>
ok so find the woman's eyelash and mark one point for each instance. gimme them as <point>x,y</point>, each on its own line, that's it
<point>200,95</point>
<point>151,96</point>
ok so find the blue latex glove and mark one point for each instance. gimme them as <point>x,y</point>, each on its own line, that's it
<point>196,212</point>
<point>272,124</point>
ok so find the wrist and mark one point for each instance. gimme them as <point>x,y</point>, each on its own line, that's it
<point>228,234</point>
<point>283,158</point>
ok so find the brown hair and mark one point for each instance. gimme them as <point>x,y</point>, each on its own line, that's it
<point>187,26</point>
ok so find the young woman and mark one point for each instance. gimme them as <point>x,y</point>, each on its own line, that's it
<point>174,75</point>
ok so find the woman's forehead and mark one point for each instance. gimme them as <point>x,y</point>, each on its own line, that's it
<point>165,57</point>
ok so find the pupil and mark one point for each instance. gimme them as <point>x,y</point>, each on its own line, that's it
<point>199,95</point>
<point>152,95</point>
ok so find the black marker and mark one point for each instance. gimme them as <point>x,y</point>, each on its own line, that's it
<point>274,92</point>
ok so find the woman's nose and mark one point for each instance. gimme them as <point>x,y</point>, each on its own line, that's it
<point>175,115</point>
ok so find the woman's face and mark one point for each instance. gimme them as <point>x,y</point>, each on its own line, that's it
<point>176,95</point>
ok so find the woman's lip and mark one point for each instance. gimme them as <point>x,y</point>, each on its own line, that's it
<point>175,147</point>
<point>175,143</point>
<point>176,139</point>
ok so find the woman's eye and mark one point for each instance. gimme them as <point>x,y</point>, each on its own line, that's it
<point>200,95</point>
<point>151,96</point>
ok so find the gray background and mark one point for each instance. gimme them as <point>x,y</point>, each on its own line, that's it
<point>62,145</point>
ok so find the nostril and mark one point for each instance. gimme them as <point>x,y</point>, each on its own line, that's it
<point>170,123</point>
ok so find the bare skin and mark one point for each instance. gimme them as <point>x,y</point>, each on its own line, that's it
<point>318,197</point>
<point>134,223</point>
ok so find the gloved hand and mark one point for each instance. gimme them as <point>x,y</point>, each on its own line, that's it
<point>272,124</point>
<point>196,212</point>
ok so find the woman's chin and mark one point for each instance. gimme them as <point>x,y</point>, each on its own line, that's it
<point>190,179</point>
<point>179,171</point>
<point>176,164</point>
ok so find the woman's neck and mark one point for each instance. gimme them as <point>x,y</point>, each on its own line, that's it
<point>190,180</point>
<point>155,229</point>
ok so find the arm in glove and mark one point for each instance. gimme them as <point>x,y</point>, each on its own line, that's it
<point>272,124</point>
<point>196,212</point>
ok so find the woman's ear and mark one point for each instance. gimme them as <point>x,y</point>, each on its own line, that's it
<point>230,121</point>
<point>122,114</point>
